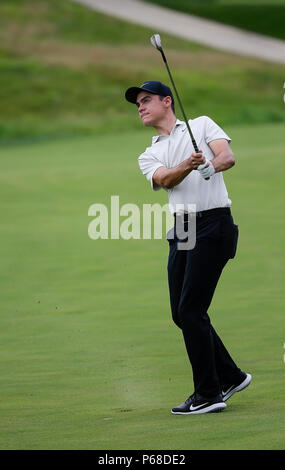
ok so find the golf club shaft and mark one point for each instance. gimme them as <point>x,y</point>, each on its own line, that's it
<point>180,104</point>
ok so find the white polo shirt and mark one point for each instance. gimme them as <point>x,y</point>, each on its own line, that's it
<point>171,150</point>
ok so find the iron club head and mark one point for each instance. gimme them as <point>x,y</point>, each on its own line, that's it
<point>156,41</point>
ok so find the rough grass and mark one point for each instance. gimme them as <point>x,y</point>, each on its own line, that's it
<point>64,70</point>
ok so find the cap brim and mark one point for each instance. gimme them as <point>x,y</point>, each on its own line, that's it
<point>132,93</point>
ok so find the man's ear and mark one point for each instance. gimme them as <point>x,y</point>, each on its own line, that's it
<point>168,101</point>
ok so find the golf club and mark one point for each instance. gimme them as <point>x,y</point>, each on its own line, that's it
<point>156,42</point>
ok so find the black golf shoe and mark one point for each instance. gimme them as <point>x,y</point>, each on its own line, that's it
<point>229,390</point>
<point>196,404</point>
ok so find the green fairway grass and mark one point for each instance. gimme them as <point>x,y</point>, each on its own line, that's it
<point>90,358</point>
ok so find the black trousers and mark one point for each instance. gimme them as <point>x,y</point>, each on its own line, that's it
<point>193,275</point>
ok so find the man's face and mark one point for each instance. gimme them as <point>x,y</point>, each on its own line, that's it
<point>151,108</point>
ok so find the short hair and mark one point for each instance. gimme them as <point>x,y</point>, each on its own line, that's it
<point>172,102</point>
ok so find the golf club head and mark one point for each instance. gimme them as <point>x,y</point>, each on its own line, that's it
<point>156,41</point>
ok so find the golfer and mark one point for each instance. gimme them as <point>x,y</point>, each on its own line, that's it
<point>193,180</point>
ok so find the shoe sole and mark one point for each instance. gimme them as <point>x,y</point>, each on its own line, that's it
<point>239,388</point>
<point>215,408</point>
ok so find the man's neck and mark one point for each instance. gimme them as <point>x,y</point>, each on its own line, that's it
<point>166,126</point>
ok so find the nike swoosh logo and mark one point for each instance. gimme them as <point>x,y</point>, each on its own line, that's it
<point>193,408</point>
<point>227,391</point>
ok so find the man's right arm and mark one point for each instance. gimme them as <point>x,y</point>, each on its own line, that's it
<point>167,178</point>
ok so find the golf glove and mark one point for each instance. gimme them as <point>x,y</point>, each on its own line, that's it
<point>206,171</point>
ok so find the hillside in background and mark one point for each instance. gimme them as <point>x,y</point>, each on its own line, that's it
<point>64,70</point>
<point>261,16</point>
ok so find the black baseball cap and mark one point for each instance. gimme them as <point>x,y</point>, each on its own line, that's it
<point>152,86</point>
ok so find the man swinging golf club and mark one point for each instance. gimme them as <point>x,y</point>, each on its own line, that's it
<point>188,163</point>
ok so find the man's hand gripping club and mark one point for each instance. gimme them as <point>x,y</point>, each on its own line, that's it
<point>200,163</point>
<point>169,177</point>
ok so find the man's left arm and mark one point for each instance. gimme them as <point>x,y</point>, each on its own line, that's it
<point>224,157</point>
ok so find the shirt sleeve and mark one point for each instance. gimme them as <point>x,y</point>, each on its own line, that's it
<point>214,132</point>
<point>148,164</point>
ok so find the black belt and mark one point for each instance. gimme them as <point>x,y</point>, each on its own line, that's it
<point>217,210</point>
